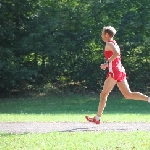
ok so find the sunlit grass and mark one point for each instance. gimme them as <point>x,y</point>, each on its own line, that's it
<point>76,141</point>
<point>67,117</point>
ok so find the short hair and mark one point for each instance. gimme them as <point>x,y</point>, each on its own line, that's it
<point>110,30</point>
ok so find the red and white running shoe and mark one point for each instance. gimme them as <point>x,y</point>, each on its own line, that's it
<point>92,120</point>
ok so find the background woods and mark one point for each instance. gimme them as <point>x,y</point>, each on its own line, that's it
<point>57,44</point>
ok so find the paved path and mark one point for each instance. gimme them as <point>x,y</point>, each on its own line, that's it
<point>37,127</point>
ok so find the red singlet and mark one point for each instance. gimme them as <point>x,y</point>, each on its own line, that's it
<point>116,70</point>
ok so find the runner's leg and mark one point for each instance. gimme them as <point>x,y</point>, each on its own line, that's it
<point>108,86</point>
<point>125,90</point>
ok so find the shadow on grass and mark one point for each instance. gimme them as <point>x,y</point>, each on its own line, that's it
<point>72,104</point>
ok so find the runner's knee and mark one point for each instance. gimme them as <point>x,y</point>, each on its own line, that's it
<point>104,93</point>
<point>128,95</point>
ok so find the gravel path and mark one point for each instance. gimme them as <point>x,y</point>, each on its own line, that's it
<point>41,127</point>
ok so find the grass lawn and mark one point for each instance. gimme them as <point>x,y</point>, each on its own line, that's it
<point>76,141</point>
<point>74,108</point>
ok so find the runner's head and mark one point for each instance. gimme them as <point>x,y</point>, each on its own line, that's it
<point>108,32</point>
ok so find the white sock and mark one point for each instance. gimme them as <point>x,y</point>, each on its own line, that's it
<point>97,118</point>
<point>149,99</point>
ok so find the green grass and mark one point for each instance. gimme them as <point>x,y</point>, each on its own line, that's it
<point>76,141</point>
<point>72,108</point>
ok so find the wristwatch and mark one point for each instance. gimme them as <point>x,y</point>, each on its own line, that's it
<point>107,61</point>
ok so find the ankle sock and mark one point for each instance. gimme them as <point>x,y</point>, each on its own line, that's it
<point>149,99</point>
<point>97,118</point>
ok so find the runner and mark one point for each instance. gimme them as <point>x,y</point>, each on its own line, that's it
<point>116,74</point>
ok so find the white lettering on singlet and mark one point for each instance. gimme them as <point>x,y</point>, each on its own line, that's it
<point>110,67</point>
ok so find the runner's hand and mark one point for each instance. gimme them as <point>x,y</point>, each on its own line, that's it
<point>104,66</point>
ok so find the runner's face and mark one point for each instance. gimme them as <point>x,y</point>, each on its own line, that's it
<point>103,35</point>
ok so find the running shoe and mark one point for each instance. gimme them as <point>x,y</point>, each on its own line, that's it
<point>92,120</point>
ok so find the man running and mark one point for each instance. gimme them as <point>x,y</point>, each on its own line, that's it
<point>116,74</point>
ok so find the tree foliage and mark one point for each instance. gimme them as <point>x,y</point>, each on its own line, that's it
<point>58,42</point>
